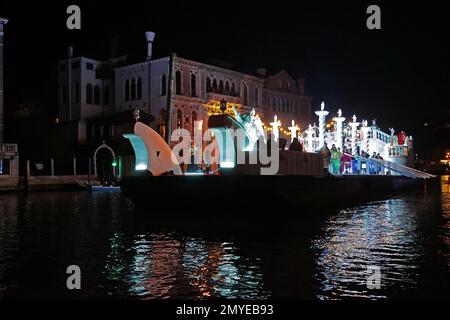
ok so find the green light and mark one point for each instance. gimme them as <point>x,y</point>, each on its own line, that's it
<point>114,163</point>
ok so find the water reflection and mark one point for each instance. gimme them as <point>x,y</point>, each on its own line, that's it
<point>160,266</point>
<point>124,255</point>
<point>382,234</point>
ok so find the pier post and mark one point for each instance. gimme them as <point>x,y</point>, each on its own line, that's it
<point>52,166</point>
<point>74,165</point>
<point>322,114</point>
<point>27,168</point>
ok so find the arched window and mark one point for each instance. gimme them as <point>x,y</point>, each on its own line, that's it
<point>256,97</point>
<point>179,119</point>
<point>214,86</point>
<point>245,95</point>
<point>133,89</point>
<point>193,85</point>
<point>139,89</point>
<point>233,89</point>
<point>89,94</point>
<point>221,86</point>
<point>208,84</point>
<point>97,95</point>
<point>178,82</point>
<point>227,87</point>
<point>163,85</point>
<point>193,119</point>
<point>106,96</point>
<point>127,90</point>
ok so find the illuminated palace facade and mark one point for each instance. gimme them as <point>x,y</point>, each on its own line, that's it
<point>103,88</point>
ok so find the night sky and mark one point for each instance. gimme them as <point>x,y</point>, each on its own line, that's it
<point>399,75</point>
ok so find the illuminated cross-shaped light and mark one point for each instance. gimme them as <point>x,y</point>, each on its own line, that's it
<point>275,128</point>
<point>294,128</point>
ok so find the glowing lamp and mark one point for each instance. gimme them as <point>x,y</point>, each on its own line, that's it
<point>140,167</point>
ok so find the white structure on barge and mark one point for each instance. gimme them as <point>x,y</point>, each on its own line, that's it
<point>357,137</point>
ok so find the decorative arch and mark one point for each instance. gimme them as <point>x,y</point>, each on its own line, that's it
<point>103,146</point>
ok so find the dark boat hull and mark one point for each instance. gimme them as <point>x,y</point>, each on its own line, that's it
<point>249,194</point>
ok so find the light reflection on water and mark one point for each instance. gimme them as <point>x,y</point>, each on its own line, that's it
<point>161,267</point>
<point>382,234</point>
<point>123,255</point>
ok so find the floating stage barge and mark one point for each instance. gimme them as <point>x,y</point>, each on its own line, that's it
<point>235,194</point>
<point>300,183</point>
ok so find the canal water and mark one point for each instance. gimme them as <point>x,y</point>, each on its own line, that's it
<point>392,248</point>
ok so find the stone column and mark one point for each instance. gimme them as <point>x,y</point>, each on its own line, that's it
<point>322,114</point>
<point>354,125</point>
<point>339,121</point>
<point>3,21</point>
<point>365,133</point>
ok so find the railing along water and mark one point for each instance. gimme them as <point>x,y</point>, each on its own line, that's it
<point>394,167</point>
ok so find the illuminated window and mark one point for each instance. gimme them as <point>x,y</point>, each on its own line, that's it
<point>193,85</point>
<point>178,83</point>
<point>89,94</point>
<point>4,166</point>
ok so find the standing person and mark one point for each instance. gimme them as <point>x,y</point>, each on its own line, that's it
<point>380,168</point>
<point>372,165</point>
<point>346,161</point>
<point>326,153</point>
<point>335,160</point>
<point>363,163</point>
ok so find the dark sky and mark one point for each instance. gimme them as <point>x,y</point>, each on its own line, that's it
<point>399,75</point>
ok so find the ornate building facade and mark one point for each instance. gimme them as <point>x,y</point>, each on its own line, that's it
<point>191,90</point>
